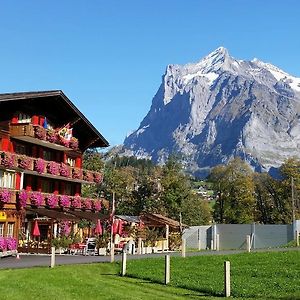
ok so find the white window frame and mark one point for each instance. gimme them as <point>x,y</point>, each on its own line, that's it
<point>10,229</point>
<point>2,229</point>
<point>24,118</point>
<point>7,179</point>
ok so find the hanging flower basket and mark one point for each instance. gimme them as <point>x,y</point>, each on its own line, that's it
<point>39,166</point>
<point>64,201</point>
<point>98,177</point>
<point>76,202</point>
<point>53,168</point>
<point>25,162</point>
<point>64,170</point>
<point>73,143</point>
<point>5,196</point>
<point>63,141</point>
<point>23,197</point>
<point>8,160</point>
<point>52,200</point>
<point>36,198</point>
<point>97,205</point>
<point>87,203</point>
<point>77,173</point>
<point>51,136</point>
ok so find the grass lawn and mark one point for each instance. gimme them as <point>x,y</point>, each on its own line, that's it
<point>91,281</point>
<point>269,275</point>
<point>254,276</point>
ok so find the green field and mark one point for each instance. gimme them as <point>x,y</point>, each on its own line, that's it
<point>254,276</point>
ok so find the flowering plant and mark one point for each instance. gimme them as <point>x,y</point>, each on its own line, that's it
<point>8,160</point>
<point>39,165</point>
<point>23,196</point>
<point>52,200</point>
<point>64,201</point>
<point>25,162</point>
<point>11,243</point>
<point>63,141</point>
<point>51,136</point>
<point>3,244</point>
<point>87,203</point>
<point>97,205</point>
<point>65,228</point>
<point>40,132</point>
<point>53,168</point>
<point>73,143</point>
<point>36,198</point>
<point>88,176</point>
<point>98,177</point>
<point>76,202</point>
<point>77,173</point>
<point>64,170</point>
<point>5,195</point>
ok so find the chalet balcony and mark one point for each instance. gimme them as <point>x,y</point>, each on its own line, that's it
<point>36,134</point>
<point>37,200</point>
<point>50,169</point>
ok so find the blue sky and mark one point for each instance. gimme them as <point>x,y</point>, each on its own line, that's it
<point>108,56</point>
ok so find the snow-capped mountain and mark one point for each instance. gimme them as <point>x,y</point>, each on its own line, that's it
<point>219,108</point>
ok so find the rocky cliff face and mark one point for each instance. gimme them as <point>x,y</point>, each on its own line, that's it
<point>219,108</point>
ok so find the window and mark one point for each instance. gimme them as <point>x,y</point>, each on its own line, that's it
<point>47,186</point>
<point>7,179</point>
<point>10,230</point>
<point>71,161</point>
<point>69,189</point>
<point>1,229</point>
<point>48,155</point>
<point>24,118</point>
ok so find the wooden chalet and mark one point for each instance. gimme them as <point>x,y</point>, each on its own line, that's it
<point>42,140</point>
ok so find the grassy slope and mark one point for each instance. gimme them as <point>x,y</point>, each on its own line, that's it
<point>255,275</point>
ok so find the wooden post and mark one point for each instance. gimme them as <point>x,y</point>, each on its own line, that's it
<point>183,246</point>
<point>227,278</point>
<point>123,272</point>
<point>139,251</point>
<point>248,243</point>
<point>52,264</point>
<point>297,238</point>
<point>167,268</point>
<point>199,239</point>
<point>217,242</point>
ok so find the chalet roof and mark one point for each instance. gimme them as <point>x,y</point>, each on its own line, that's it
<point>59,109</point>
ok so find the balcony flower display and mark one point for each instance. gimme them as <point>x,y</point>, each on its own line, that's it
<point>5,195</point>
<point>52,200</point>
<point>73,143</point>
<point>25,162</point>
<point>97,205</point>
<point>64,170</point>
<point>51,136</point>
<point>23,196</point>
<point>11,243</point>
<point>53,168</point>
<point>76,202</point>
<point>40,132</point>
<point>8,160</point>
<point>87,203</point>
<point>36,198</point>
<point>88,176</point>
<point>64,201</point>
<point>98,177</point>
<point>39,165</point>
<point>63,141</point>
<point>77,173</point>
<point>3,244</point>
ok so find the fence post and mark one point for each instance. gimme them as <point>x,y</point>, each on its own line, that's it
<point>297,238</point>
<point>183,246</point>
<point>227,278</point>
<point>52,263</point>
<point>248,243</point>
<point>123,272</point>
<point>139,246</point>
<point>199,239</point>
<point>167,268</point>
<point>217,242</point>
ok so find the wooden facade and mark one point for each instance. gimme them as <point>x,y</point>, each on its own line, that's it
<point>42,140</point>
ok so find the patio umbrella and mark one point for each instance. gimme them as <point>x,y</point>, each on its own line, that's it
<point>98,229</point>
<point>36,230</point>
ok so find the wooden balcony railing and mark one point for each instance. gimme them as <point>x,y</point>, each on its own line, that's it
<point>48,168</point>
